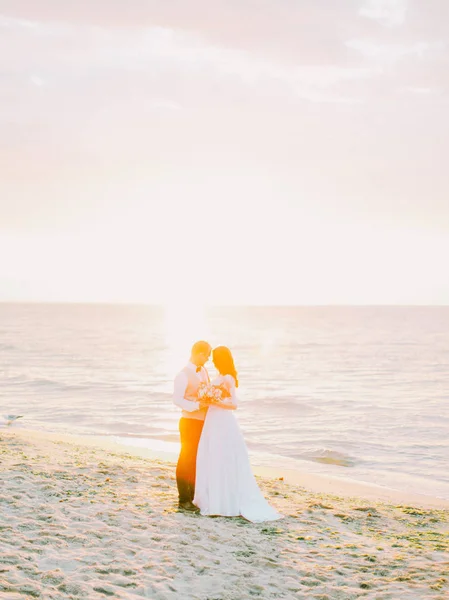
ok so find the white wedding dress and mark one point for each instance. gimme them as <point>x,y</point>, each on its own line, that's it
<point>225,484</point>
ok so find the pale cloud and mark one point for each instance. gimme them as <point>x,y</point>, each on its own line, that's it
<point>163,54</point>
<point>391,13</point>
<point>393,52</point>
<point>14,23</point>
<point>283,29</point>
<point>421,91</point>
<point>157,49</point>
<point>36,80</point>
<point>165,105</point>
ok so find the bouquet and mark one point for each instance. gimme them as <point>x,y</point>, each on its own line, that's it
<point>212,393</point>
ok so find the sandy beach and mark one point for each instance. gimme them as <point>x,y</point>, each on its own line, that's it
<point>82,521</point>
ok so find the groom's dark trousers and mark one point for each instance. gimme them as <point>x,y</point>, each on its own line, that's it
<point>190,431</point>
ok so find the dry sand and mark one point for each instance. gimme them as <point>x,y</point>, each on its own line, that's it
<point>80,521</point>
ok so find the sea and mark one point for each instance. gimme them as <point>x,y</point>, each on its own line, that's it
<point>357,393</point>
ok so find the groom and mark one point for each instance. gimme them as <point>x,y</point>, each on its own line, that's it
<point>191,423</point>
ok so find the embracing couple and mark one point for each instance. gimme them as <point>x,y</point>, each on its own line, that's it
<point>213,473</point>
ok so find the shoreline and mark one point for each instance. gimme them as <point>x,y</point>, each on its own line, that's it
<point>315,483</point>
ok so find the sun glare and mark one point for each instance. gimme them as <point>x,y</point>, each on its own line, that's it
<point>185,323</point>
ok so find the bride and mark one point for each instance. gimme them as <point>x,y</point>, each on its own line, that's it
<point>225,484</point>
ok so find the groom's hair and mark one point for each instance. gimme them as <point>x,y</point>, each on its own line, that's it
<point>201,347</point>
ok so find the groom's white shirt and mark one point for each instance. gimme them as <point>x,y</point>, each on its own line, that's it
<point>180,387</point>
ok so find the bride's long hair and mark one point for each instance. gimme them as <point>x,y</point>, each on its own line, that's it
<point>224,362</point>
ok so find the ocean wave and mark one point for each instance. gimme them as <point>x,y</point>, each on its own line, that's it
<point>42,384</point>
<point>327,456</point>
<point>162,437</point>
<point>7,347</point>
<point>54,384</point>
<point>283,401</point>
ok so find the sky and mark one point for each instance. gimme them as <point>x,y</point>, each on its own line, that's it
<point>224,152</point>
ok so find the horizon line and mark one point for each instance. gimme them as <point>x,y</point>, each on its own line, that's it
<point>245,305</point>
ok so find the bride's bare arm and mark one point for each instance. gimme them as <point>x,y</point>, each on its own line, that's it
<point>231,402</point>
